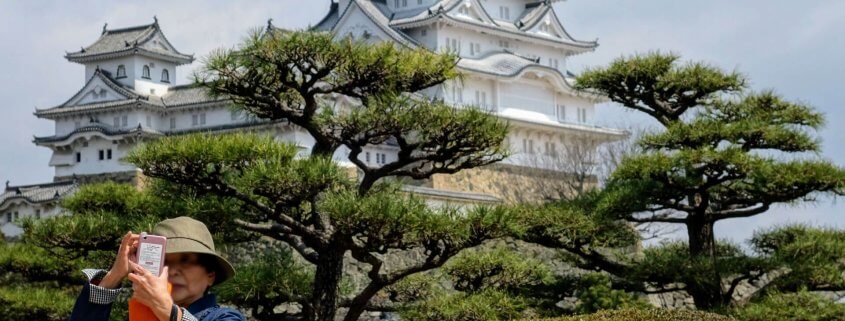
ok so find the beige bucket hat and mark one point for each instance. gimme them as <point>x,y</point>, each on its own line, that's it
<point>187,235</point>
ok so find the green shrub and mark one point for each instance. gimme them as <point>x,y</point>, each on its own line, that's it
<point>21,303</point>
<point>598,294</point>
<point>645,315</point>
<point>799,306</point>
<point>487,305</point>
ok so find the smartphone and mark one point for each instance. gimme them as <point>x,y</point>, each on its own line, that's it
<point>151,252</point>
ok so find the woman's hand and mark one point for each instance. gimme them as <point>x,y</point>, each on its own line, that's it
<point>151,290</point>
<point>120,268</point>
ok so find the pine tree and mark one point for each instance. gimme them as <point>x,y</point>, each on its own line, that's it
<point>306,200</point>
<point>724,154</point>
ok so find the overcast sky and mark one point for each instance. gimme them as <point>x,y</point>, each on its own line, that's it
<point>794,47</point>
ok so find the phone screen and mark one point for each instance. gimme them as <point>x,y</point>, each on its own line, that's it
<point>149,257</point>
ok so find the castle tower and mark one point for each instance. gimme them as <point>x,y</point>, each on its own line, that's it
<point>130,77</point>
<point>514,55</point>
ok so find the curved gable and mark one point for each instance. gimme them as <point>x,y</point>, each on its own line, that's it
<point>100,88</point>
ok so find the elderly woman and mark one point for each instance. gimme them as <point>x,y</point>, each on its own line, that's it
<point>191,266</point>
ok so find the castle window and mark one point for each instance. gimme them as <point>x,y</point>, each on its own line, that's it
<point>116,121</point>
<point>8,217</point>
<point>145,73</point>
<point>551,149</point>
<point>149,121</point>
<point>384,158</point>
<point>102,154</point>
<point>195,120</point>
<point>544,28</point>
<point>121,71</point>
<point>528,146</point>
<point>172,122</point>
<point>504,12</point>
<point>367,157</point>
<point>202,119</point>
<point>78,157</point>
<point>38,214</point>
<point>108,154</point>
<point>554,63</point>
<point>481,99</point>
<point>457,94</point>
<point>165,76</point>
<point>124,120</point>
<point>561,113</point>
<point>582,115</point>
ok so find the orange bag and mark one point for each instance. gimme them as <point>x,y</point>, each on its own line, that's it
<point>140,312</point>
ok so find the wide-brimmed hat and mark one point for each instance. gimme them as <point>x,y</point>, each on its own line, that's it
<point>187,235</point>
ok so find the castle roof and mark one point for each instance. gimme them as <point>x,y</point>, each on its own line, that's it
<point>516,30</point>
<point>39,193</point>
<point>149,132</point>
<point>176,96</point>
<point>100,128</point>
<point>376,11</point>
<point>147,40</point>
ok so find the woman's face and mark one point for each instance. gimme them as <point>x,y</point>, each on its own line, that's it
<point>189,278</point>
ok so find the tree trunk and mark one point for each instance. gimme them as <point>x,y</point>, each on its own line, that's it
<point>359,304</point>
<point>707,292</point>
<point>327,284</point>
<point>702,241</point>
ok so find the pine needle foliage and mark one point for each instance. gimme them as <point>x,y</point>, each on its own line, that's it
<point>726,152</point>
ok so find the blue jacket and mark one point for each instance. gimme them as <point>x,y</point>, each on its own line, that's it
<point>204,309</point>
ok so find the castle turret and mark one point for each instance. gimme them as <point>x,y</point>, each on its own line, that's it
<point>139,57</point>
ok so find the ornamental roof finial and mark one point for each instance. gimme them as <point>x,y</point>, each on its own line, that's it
<point>155,19</point>
<point>270,24</point>
<point>104,27</point>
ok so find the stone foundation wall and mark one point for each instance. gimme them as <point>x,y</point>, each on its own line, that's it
<point>512,184</point>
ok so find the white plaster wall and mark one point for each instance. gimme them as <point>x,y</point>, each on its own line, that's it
<point>467,88</point>
<point>90,162</point>
<point>533,96</point>
<point>490,43</point>
<point>111,67</point>
<point>357,23</point>
<point>184,118</point>
<point>429,40</point>
<point>516,8</point>
<point>520,141</point>
<point>93,93</point>
<point>408,4</point>
<point>156,66</point>
<point>24,210</point>
<point>572,104</point>
<point>66,125</point>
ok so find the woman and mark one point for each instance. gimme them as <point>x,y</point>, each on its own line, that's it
<point>191,266</point>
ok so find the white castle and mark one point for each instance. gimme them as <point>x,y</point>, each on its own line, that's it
<point>513,52</point>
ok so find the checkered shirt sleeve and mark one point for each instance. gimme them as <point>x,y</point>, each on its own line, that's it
<point>187,316</point>
<point>100,295</point>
